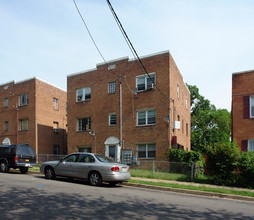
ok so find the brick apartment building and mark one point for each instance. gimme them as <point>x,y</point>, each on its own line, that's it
<point>116,110</point>
<point>33,112</point>
<point>243,109</point>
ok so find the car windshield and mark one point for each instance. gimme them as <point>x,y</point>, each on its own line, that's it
<point>104,159</point>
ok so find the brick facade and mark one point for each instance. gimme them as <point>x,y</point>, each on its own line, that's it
<point>242,112</point>
<point>126,133</point>
<point>32,122</point>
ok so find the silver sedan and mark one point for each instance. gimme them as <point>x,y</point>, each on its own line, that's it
<point>92,167</point>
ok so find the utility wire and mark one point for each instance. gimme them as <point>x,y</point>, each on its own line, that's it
<point>93,39</point>
<point>132,47</point>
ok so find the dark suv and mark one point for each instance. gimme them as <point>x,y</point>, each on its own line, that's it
<point>16,156</point>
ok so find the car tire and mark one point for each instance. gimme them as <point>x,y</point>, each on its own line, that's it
<point>49,173</point>
<point>23,170</point>
<point>95,179</point>
<point>4,167</point>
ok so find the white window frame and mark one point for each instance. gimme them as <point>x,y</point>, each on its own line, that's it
<point>83,94</point>
<point>23,124</point>
<point>80,124</point>
<point>250,144</point>
<point>110,120</point>
<point>148,82</point>
<point>146,112</point>
<point>6,102</point>
<point>112,87</point>
<point>55,104</point>
<point>146,145</point>
<point>178,91</point>
<point>23,100</point>
<point>251,106</point>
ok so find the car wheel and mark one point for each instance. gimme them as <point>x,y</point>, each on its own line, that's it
<point>50,173</point>
<point>23,169</point>
<point>4,167</point>
<point>95,179</point>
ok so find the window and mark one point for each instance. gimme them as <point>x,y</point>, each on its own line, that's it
<point>23,124</point>
<point>251,145</point>
<point>85,149</point>
<point>83,94</point>
<point>55,104</point>
<point>251,106</point>
<point>71,158</point>
<point>112,119</point>
<point>86,158</point>
<point>111,87</point>
<point>6,125</point>
<point>145,82</point>
<point>55,125</point>
<point>23,100</point>
<point>6,102</point>
<point>56,149</point>
<point>186,102</point>
<point>187,129</point>
<point>178,91</point>
<point>84,124</point>
<point>146,151</point>
<point>147,117</point>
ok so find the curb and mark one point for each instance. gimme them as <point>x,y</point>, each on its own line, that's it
<point>192,192</point>
<point>185,191</point>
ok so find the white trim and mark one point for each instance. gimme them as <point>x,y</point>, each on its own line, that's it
<point>243,72</point>
<point>82,72</point>
<point>150,55</point>
<point>251,103</point>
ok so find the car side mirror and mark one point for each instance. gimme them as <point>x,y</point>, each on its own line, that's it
<point>62,160</point>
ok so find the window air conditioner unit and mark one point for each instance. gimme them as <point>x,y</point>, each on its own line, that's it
<point>176,125</point>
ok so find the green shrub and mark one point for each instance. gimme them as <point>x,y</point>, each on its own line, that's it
<point>221,163</point>
<point>182,156</point>
<point>246,169</point>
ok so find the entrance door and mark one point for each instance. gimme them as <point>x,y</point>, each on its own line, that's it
<point>112,152</point>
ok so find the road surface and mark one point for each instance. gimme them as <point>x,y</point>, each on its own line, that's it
<point>27,196</point>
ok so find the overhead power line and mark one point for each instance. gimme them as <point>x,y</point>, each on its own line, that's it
<point>97,48</point>
<point>134,52</point>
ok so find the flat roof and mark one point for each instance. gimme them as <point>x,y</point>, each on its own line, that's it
<point>33,78</point>
<point>116,60</point>
<point>243,72</point>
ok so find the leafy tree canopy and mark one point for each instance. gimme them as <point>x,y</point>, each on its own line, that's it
<point>209,125</point>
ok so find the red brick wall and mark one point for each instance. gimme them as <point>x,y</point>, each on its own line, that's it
<point>102,103</point>
<point>242,85</point>
<point>39,113</point>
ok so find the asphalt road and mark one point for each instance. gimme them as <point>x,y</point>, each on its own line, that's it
<point>33,197</point>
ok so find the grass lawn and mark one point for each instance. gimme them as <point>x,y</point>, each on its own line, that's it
<point>199,188</point>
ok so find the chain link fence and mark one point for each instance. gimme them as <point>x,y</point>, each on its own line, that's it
<point>188,169</point>
<point>49,157</point>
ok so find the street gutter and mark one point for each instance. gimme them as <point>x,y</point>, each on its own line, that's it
<point>177,190</point>
<point>192,192</point>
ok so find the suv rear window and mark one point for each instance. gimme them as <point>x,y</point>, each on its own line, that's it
<point>25,150</point>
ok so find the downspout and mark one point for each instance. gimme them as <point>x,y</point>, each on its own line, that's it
<point>121,115</point>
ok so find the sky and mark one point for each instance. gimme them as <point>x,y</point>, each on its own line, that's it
<point>208,39</point>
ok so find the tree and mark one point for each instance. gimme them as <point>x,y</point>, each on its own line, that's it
<point>209,126</point>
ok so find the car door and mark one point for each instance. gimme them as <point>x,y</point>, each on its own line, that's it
<point>84,164</point>
<point>66,166</point>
